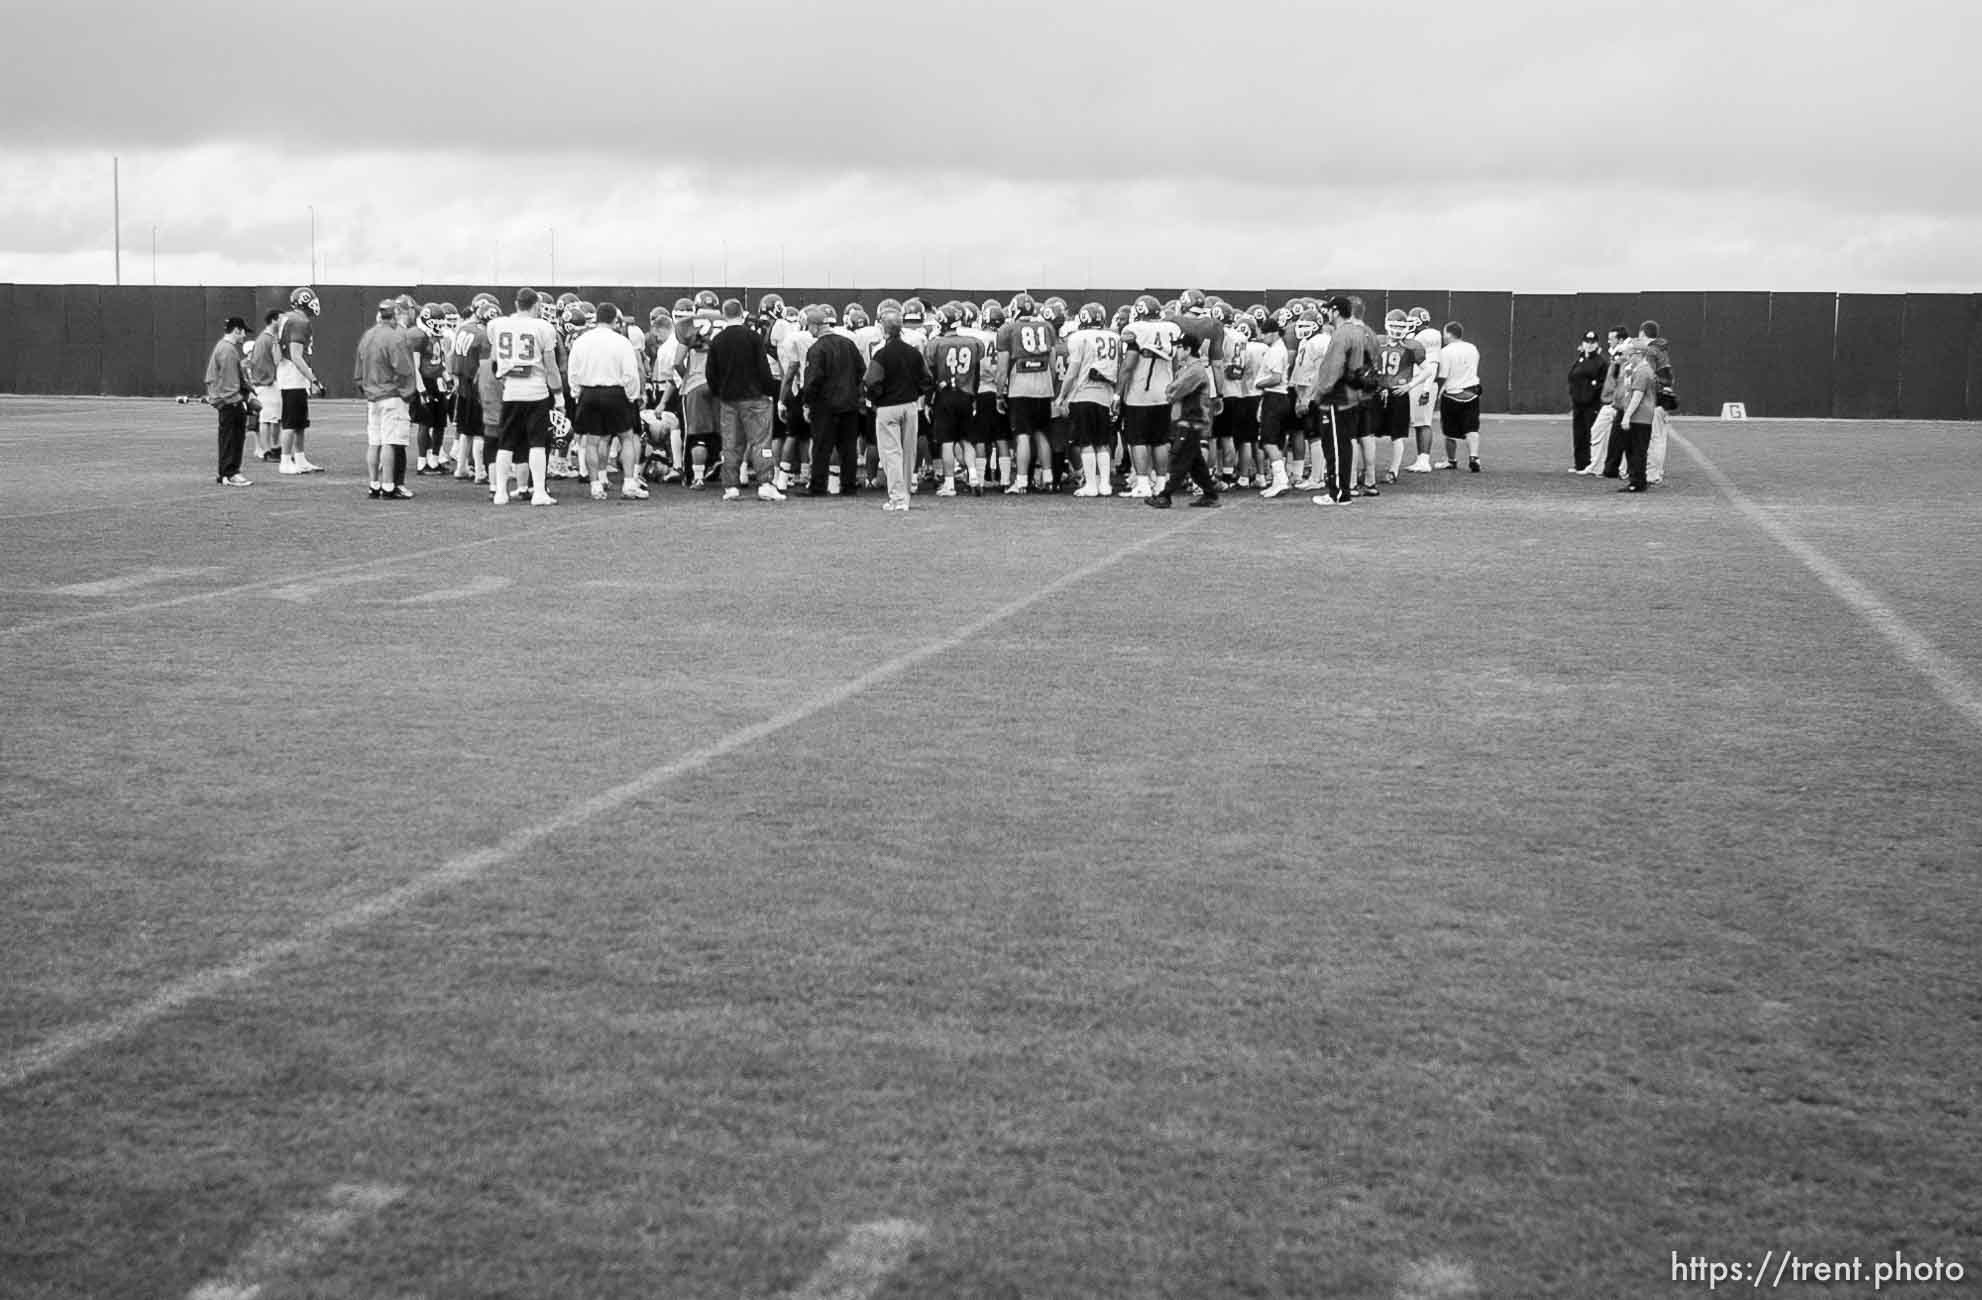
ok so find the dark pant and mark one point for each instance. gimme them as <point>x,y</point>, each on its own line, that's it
<point>1187,458</point>
<point>1318,423</point>
<point>835,430</point>
<point>233,437</point>
<point>1350,421</point>
<point>1639,449</point>
<point>1582,419</point>
<point>1613,457</point>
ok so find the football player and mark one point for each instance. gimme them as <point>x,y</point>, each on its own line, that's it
<point>1277,420</point>
<point>1399,359</point>
<point>1238,419</point>
<point>1141,394</point>
<point>994,428</point>
<point>432,357</point>
<point>261,373</point>
<point>956,363</point>
<point>1425,393</point>
<point>295,379</point>
<point>1027,345</point>
<point>1087,392</point>
<point>524,347</point>
<point>1310,344</point>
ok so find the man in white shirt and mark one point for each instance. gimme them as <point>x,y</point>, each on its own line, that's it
<point>523,348</point>
<point>1459,400</point>
<point>605,373</point>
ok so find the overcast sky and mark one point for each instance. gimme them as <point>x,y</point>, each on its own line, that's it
<point>1508,144</point>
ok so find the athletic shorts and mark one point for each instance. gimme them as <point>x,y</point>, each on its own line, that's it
<point>1146,426</point>
<point>1459,416</point>
<point>1390,417</point>
<point>699,412</point>
<point>991,423</point>
<point>604,412</point>
<point>1421,406</point>
<point>271,399</point>
<point>526,426</point>
<point>467,410</point>
<point>387,423</point>
<point>952,415</point>
<point>1352,421</point>
<point>1241,415</point>
<point>1030,415</point>
<point>433,407</point>
<point>1090,425</point>
<point>295,408</point>
<point>1276,418</point>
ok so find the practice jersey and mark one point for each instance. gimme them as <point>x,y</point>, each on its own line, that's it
<point>956,361</point>
<point>1232,374</point>
<point>1271,375</point>
<point>1459,366</point>
<point>791,355</point>
<point>294,328</point>
<point>1091,352</point>
<point>987,378</point>
<point>869,339</point>
<point>1025,351</point>
<point>1209,334</point>
<point>1430,341</point>
<point>471,348</point>
<point>522,347</point>
<point>1397,363</point>
<point>1146,348</point>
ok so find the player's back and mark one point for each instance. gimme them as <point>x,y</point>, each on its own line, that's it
<point>521,347</point>
<point>1091,351</point>
<point>1030,343</point>
<point>956,361</point>
<point>1146,347</point>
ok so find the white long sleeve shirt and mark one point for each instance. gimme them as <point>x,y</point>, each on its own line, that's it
<point>604,358</point>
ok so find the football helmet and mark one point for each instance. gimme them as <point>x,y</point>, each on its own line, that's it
<point>889,305</point>
<point>1306,324</point>
<point>560,422</point>
<point>1122,317</point>
<point>450,315</point>
<point>826,310</point>
<point>1092,316</point>
<point>1419,317</point>
<point>914,312</point>
<point>1146,307</point>
<point>1022,304</point>
<point>484,307</point>
<point>1397,324</point>
<point>305,299</point>
<point>770,305</point>
<point>855,316</point>
<point>1221,311</point>
<point>994,315</point>
<point>1191,300</point>
<point>706,300</point>
<point>969,311</point>
<point>656,316</point>
<point>683,308</point>
<point>1172,308</point>
<point>1258,312</point>
<point>566,298</point>
<point>1242,324</point>
<point>948,317</point>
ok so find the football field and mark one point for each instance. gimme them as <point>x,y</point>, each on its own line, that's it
<point>1504,888</point>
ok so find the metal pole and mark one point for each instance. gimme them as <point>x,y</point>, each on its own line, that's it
<point>781,268</point>
<point>116,222</point>
<point>553,255</point>
<point>154,257</point>
<point>313,243</point>
<point>726,263</point>
<point>495,267</point>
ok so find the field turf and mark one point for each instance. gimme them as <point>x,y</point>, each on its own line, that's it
<point>1487,891</point>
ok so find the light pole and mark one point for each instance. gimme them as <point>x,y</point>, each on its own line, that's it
<point>154,257</point>
<point>313,243</point>
<point>553,255</point>
<point>116,222</point>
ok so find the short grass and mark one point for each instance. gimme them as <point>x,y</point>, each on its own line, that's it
<point>1490,890</point>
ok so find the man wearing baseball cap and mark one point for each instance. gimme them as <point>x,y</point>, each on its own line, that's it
<point>1586,385</point>
<point>227,392</point>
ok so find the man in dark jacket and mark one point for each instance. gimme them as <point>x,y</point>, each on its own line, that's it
<point>1346,384</point>
<point>896,382</point>
<point>739,373</point>
<point>1586,385</point>
<point>834,369</point>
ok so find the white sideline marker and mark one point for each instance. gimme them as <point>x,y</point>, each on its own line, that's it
<point>302,593</point>
<point>281,1252</point>
<point>16,1068</point>
<point>1915,649</point>
<point>131,581</point>
<point>1732,411</point>
<point>486,585</point>
<point>860,1264</point>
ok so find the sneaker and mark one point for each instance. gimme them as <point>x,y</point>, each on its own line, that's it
<point>892,504</point>
<point>375,492</point>
<point>1157,500</point>
<point>768,492</point>
<point>422,471</point>
<point>235,480</point>
<point>288,467</point>
<point>271,455</point>
<point>1330,499</point>
<point>698,485</point>
<point>542,499</point>
<point>633,492</point>
<point>1206,501</point>
<point>1443,464</point>
<point>598,490</point>
<point>1015,490</point>
<point>304,466</point>
<point>1630,487</point>
<point>1105,490</point>
<point>1369,490</point>
<point>481,476</point>
<point>1280,488</point>
<point>948,489</point>
<point>1473,464</point>
<point>1087,490</point>
<point>671,476</point>
<point>500,499</point>
<point>395,494</point>
<point>977,489</point>
<point>1422,465</point>
<point>732,494</point>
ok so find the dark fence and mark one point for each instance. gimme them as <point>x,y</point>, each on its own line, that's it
<point>1844,356</point>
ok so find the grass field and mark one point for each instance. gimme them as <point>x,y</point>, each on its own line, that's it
<point>1488,891</point>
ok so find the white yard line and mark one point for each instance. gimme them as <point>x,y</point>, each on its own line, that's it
<point>860,1264</point>
<point>486,585</point>
<point>280,1253</point>
<point>1915,649</point>
<point>131,581</point>
<point>30,1062</point>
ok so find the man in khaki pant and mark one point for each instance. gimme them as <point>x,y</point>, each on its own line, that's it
<point>897,382</point>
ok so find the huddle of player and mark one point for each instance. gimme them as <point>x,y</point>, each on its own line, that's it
<point>1028,395</point>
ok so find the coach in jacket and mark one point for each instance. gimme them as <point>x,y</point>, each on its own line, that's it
<point>831,396</point>
<point>740,379</point>
<point>1586,395</point>
<point>896,381</point>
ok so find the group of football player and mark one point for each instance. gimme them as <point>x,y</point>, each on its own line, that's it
<point>1028,395</point>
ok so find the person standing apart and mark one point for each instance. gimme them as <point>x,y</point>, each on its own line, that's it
<point>1586,391</point>
<point>897,380</point>
<point>523,347</point>
<point>738,373</point>
<point>387,377</point>
<point>296,380</point>
<point>605,372</point>
<point>227,392</point>
<point>1459,403</point>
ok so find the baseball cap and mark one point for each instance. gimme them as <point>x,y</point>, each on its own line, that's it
<point>234,323</point>
<point>1339,304</point>
<point>1589,336</point>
